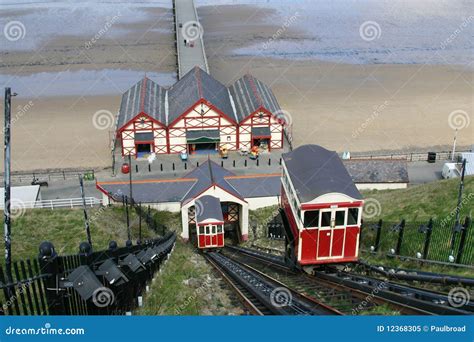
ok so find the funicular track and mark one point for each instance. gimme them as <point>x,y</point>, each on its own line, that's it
<point>263,295</point>
<point>351,293</point>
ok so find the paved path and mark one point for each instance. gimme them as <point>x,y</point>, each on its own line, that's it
<point>189,42</point>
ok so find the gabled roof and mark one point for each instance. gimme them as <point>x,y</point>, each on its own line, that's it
<point>146,96</point>
<point>194,86</point>
<point>207,175</point>
<point>250,94</point>
<point>315,171</point>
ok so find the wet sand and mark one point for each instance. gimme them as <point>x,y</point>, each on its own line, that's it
<point>340,106</point>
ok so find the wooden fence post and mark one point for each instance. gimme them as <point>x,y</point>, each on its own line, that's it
<point>400,237</point>
<point>427,239</point>
<point>377,236</point>
<point>462,242</point>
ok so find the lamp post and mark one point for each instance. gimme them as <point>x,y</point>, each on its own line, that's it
<point>457,224</point>
<point>86,219</point>
<point>454,144</point>
<point>7,195</point>
<point>130,178</point>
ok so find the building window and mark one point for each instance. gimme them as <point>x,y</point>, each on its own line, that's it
<point>340,217</point>
<point>353,216</point>
<point>325,219</point>
<point>311,219</point>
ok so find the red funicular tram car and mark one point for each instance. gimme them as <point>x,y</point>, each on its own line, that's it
<point>209,222</point>
<point>321,207</point>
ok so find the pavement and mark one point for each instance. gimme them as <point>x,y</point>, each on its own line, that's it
<point>418,172</point>
<point>423,172</point>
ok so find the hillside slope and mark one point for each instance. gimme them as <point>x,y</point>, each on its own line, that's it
<point>436,199</point>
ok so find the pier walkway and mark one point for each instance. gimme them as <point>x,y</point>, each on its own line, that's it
<point>189,42</point>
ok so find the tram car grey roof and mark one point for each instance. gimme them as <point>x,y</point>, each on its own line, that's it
<point>208,207</point>
<point>315,171</point>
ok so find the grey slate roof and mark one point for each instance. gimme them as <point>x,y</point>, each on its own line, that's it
<point>377,171</point>
<point>145,96</point>
<point>194,183</point>
<point>315,171</point>
<point>196,85</point>
<point>208,207</point>
<point>149,192</point>
<point>249,94</point>
<point>257,186</point>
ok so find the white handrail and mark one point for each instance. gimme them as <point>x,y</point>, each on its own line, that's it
<point>54,203</point>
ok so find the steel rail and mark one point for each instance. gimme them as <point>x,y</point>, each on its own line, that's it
<point>356,293</point>
<point>416,275</point>
<point>429,301</point>
<point>276,298</point>
<point>307,297</point>
<point>248,303</point>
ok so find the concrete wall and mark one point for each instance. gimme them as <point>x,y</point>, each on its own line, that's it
<point>381,186</point>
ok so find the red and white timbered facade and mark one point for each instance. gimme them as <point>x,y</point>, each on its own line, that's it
<point>198,113</point>
<point>202,117</point>
<point>131,135</point>
<point>252,129</point>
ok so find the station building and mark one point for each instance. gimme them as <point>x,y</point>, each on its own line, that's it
<point>198,114</point>
<point>209,192</point>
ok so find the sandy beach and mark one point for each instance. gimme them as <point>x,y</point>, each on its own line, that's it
<point>340,105</point>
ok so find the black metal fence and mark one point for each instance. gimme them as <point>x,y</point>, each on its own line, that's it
<point>440,240</point>
<point>275,229</point>
<point>108,282</point>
